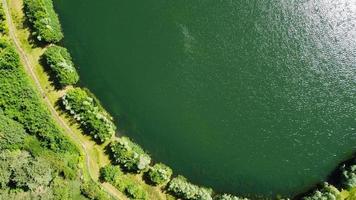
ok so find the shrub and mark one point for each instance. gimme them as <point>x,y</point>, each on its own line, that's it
<point>110,173</point>
<point>94,120</point>
<point>60,63</point>
<point>44,20</point>
<point>181,188</point>
<point>129,155</point>
<point>135,192</point>
<point>159,174</point>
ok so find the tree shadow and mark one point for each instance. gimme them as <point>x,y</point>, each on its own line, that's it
<point>52,75</point>
<point>32,38</point>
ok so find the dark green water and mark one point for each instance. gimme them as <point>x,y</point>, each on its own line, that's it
<point>247,97</point>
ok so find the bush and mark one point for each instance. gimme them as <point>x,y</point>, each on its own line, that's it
<point>135,192</point>
<point>110,173</point>
<point>181,188</point>
<point>44,20</point>
<point>60,63</point>
<point>94,120</point>
<point>159,174</point>
<point>129,155</point>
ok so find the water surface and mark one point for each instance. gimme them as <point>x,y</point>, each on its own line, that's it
<point>247,97</point>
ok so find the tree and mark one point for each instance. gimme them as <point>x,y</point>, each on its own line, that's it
<point>129,155</point>
<point>12,134</point>
<point>327,192</point>
<point>44,20</point>
<point>349,176</point>
<point>159,174</point>
<point>60,63</point>
<point>110,173</point>
<point>94,120</point>
<point>181,188</point>
<point>228,197</point>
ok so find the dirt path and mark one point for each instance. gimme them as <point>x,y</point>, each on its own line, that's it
<point>27,63</point>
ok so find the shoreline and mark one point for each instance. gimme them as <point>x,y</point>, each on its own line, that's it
<point>47,99</point>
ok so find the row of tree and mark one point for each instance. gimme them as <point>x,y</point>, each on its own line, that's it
<point>59,62</point>
<point>86,110</point>
<point>44,20</point>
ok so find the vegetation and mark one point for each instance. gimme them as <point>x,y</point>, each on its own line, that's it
<point>19,101</point>
<point>349,176</point>
<point>31,171</point>
<point>180,187</point>
<point>60,63</point>
<point>228,197</point>
<point>133,191</point>
<point>129,155</point>
<point>44,20</point>
<point>3,26</point>
<point>92,191</point>
<point>45,166</point>
<point>11,134</point>
<point>113,175</point>
<point>87,111</point>
<point>328,192</point>
<point>159,174</point>
<point>36,160</point>
<point>110,173</point>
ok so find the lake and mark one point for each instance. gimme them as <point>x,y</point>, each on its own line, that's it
<point>247,97</point>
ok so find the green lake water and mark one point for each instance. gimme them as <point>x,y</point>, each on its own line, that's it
<point>247,97</point>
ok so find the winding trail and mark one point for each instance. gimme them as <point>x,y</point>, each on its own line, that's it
<point>27,63</point>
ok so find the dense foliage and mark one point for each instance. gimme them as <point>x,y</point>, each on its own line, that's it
<point>94,120</point>
<point>159,174</point>
<point>129,155</point>
<point>44,20</point>
<point>11,134</point>
<point>3,26</point>
<point>110,173</point>
<point>180,187</point>
<point>93,192</point>
<point>328,192</point>
<point>28,170</point>
<point>349,176</point>
<point>60,63</point>
<point>135,192</point>
<point>113,175</point>
<point>19,101</point>
<point>228,197</point>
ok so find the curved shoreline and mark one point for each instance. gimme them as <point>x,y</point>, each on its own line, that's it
<point>37,82</point>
